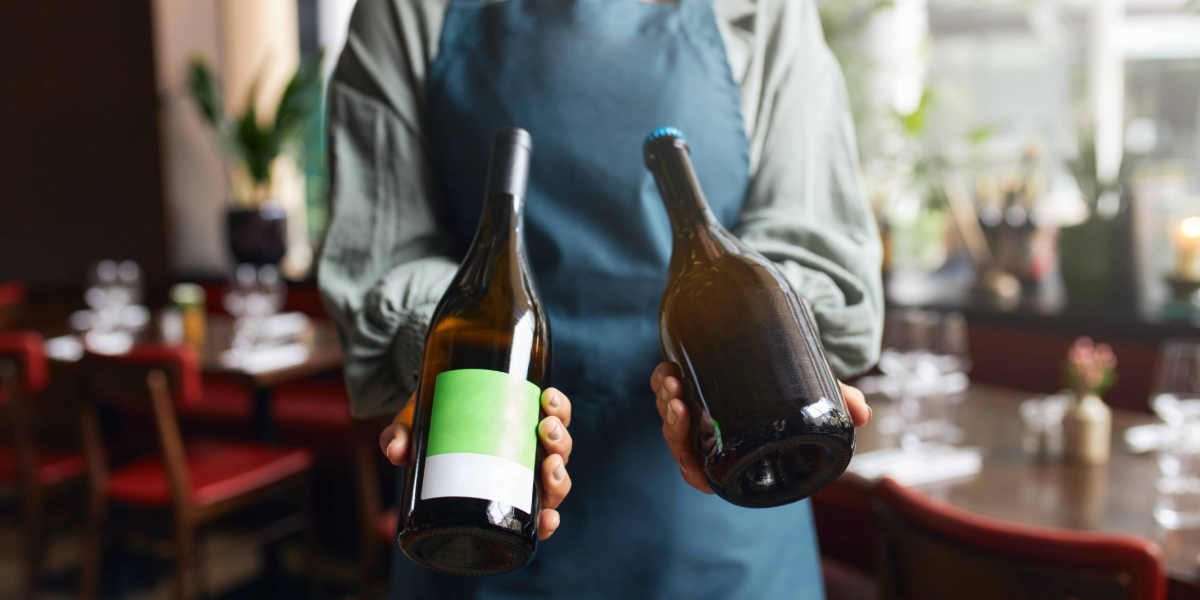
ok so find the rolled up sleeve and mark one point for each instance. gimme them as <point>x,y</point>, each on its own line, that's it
<point>806,209</point>
<point>387,257</point>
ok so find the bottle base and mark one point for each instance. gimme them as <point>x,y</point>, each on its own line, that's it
<point>465,551</point>
<point>785,471</point>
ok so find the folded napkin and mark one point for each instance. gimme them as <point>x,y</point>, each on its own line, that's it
<point>1154,436</point>
<point>284,325</point>
<point>261,359</point>
<point>936,384</point>
<point>108,342</point>
<point>930,463</point>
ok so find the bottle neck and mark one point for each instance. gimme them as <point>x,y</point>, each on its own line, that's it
<point>499,240</point>
<point>692,221</point>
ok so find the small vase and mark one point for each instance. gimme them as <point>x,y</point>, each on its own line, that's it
<point>1087,432</point>
<point>257,235</point>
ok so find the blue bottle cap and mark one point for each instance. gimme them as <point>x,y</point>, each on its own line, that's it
<point>663,132</point>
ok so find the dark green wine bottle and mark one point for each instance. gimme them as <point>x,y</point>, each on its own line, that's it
<point>768,417</point>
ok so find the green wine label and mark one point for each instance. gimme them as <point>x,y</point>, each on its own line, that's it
<point>482,438</point>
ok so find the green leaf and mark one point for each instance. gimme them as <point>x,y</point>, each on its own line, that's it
<point>243,138</point>
<point>206,92</point>
<point>1083,168</point>
<point>301,98</point>
<point>979,135</point>
<point>914,122</point>
<point>258,152</point>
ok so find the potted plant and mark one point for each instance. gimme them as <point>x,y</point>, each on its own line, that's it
<point>1089,371</point>
<point>256,224</point>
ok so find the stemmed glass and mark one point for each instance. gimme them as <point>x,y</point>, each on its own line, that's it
<point>113,293</point>
<point>924,360</point>
<point>255,293</point>
<point>905,342</point>
<point>1176,400</point>
<point>948,344</point>
<point>129,282</point>
<point>942,372</point>
<point>905,339</point>
<point>101,279</point>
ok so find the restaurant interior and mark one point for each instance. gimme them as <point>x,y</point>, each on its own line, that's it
<point>1033,166</point>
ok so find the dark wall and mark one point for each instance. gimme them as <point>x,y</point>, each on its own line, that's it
<point>80,174</point>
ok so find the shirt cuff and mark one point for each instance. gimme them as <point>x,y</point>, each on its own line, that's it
<point>385,357</point>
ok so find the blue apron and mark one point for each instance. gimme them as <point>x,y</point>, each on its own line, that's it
<point>589,79</point>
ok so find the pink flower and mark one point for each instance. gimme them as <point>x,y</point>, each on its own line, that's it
<point>1106,357</point>
<point>1089,365</point>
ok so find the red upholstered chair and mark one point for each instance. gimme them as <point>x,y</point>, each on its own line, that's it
<point>846,534</point>
<point>36,472</point>
<point>12,302</point>
<point>188,484</point>
<point>932,551</point>
<point>313,413</point>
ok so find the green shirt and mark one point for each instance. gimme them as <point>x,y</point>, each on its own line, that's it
<point>388,256</point>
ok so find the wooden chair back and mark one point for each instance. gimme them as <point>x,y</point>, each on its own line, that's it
<point>929,550</point>
<point>368,461</point>
<point>152,377</point>
<point>23,373</point>
<point>366,475</point>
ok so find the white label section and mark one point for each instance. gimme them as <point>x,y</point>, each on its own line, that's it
<point>465,475</point>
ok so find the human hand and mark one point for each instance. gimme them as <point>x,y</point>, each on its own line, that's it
<point>552,433</point>
<point>668,391</point>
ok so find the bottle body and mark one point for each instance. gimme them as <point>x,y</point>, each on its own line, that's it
<point>471,495</point>
<point>768,418</point>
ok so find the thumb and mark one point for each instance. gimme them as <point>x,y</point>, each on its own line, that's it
<point>394,443</point>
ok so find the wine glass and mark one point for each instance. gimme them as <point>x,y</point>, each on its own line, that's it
<point>102,278</point>
<point>906,378</point>
<point>129,282</point>
<point>236,302</point>
<point>240,283</point>
<point>905,339</point>
<point>255,293</point>
<point>113,290</point>
<point>948,344</point>
<point>1176,400</point>
<point>942,372</point>
<point>268,293</point>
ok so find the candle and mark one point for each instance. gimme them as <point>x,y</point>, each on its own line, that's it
<point>1188,246</point>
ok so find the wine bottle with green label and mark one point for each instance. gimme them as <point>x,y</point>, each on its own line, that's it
<point>471,493</point>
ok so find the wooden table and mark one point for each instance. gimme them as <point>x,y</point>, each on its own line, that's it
<point>324,354</point>
<point>1014,486</point>
<point>319,338</point>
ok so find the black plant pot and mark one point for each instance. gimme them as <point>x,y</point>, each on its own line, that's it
<point>1095,259</point>
<point>257,235</point>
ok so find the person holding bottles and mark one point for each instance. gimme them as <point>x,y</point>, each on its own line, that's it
<point>417,94</point>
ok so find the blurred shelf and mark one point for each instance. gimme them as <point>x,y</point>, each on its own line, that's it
<point>1044,310</point>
